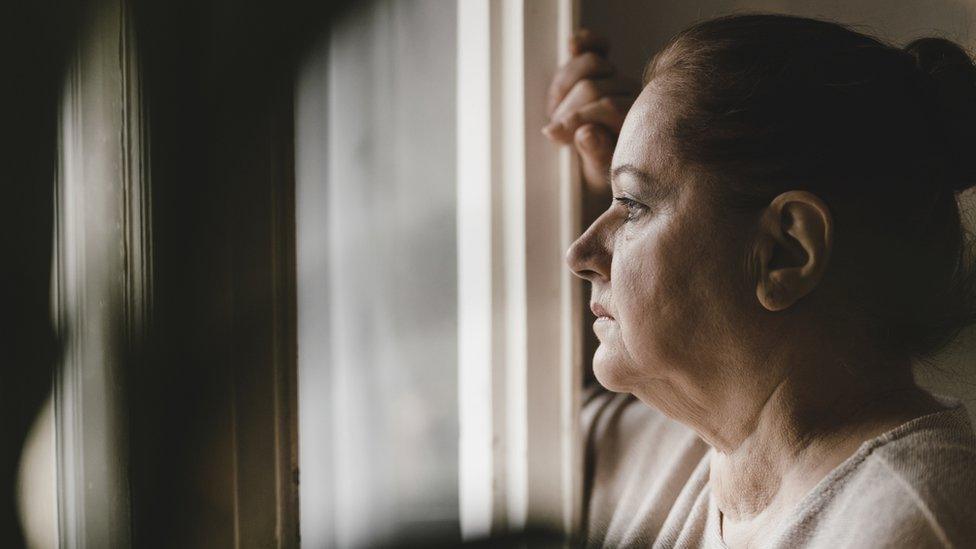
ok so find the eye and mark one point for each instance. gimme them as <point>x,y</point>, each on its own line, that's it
<point>634,208</point>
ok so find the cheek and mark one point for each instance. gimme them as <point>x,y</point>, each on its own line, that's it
<point>618,362</point>
<point>659,304</point>
<point>669,291</point>
<point>649,297</point>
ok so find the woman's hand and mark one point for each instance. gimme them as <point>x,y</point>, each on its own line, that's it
<point>588,101</point>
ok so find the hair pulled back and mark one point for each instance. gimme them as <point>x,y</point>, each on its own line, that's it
<point>763,104</point>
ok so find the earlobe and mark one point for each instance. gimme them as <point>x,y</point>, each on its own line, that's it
<point>793,247</point>
<point>773,293</point>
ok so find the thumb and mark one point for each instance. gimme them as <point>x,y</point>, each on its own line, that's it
<point>595,146</point>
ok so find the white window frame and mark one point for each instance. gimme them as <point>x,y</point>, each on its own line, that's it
<point>519,307</point>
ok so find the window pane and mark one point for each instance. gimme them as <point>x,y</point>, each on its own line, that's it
<point>377,265</point>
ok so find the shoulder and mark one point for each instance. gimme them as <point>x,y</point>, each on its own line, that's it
<point>913,486</point>
<point>637,463</point>
<point>932,465</point>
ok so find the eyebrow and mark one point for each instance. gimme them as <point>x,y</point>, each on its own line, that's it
<point>649,184</point>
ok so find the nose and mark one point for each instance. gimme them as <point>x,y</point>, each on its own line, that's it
<point>589,256</point>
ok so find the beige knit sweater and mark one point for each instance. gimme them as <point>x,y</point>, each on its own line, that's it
<point>647,485</point>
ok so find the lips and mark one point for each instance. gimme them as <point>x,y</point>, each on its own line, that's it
<point>599,311</point>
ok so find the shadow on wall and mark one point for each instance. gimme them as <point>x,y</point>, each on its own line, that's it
<point>640,28</point>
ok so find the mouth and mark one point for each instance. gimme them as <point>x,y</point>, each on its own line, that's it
<point>600,312</point>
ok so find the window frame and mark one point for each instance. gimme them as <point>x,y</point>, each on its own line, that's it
<point>520,359</point>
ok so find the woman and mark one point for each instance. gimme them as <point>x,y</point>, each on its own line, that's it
<point>783,243</point>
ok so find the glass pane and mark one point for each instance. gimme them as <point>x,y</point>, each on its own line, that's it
<point>377,265</point>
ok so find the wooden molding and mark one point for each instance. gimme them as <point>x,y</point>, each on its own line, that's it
<point>101,282</point>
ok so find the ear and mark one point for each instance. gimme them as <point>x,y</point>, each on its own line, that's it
<point>793,246</point>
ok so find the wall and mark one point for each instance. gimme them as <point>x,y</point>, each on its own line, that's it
<point>638,28</point>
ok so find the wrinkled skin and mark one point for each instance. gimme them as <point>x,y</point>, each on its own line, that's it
<point>668,267</point>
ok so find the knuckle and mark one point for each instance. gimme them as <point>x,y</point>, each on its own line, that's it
<point>585,133</point>
<point>588,88</point>
<point>590,60</point>
<point>608,103</point>
<point>557,88</point>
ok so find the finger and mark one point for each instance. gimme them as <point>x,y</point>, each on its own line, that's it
<point>608,111</point>
<point>584,40</point>
<point>587,91</point>
<point>595,147</point>
<point>587,65</point>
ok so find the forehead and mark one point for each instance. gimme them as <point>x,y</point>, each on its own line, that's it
<point>642,137</point>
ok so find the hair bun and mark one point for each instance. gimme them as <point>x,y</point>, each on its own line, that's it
<point>952,77</point>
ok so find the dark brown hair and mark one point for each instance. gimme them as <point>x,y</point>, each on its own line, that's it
<point>763,104</point>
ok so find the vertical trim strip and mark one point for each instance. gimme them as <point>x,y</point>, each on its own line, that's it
<point>101,280</point>
<point>479,464</point>
<point>571,299</point>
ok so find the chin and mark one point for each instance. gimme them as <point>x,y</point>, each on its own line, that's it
<point>610,371</point>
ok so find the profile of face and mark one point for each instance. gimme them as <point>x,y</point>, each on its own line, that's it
<point>688,293</point>
<point>668,273</point>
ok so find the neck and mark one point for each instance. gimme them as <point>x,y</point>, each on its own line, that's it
<point>809,424</point>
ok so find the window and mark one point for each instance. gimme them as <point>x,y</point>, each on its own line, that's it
<point>435,276</point>
<point>377,277</point>
<point>431,218</point>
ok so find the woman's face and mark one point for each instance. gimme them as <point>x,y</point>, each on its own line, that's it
<point>667,275</point>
